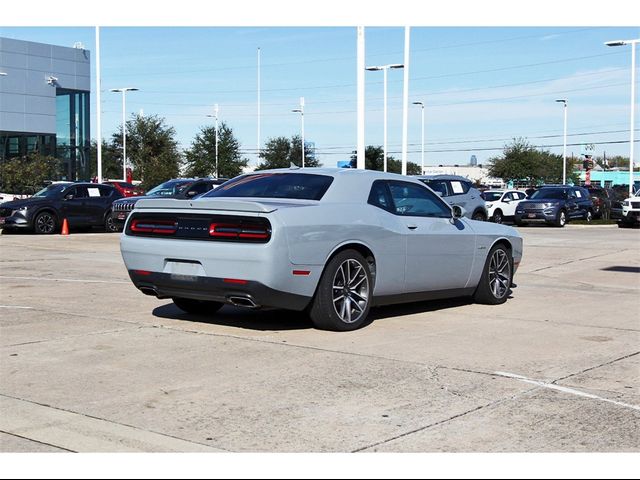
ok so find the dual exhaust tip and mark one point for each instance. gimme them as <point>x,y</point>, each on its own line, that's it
<point>244,301</point>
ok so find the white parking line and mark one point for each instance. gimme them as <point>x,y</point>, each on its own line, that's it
<point>564,389</point>
<point>62,279</point>
<point>14,306</point>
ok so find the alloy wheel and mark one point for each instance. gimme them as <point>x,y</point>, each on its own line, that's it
<point>350,291</point>
<point>499,273</point>
<point>45,223</point>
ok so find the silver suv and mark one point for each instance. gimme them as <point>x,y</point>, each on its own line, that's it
<point>457,190</point>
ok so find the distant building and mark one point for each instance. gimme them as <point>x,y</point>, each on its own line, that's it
<point>474,161</point>
<point>44,104</point>
<point>477,174</point>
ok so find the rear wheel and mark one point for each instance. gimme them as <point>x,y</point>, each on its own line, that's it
<point>497,275</point>
<point>197,306</point>
<point>343,298</point>
<point>45,223</point>
<point>589,216</point>
<point>109,223</point>
<point>497,217</point>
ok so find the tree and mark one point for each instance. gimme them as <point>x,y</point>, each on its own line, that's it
<point>617,161</point>
<point>111,160</point>
<point>374,160</point>
<point>281,152</point>
<point>151,148</point>
<point>26,175</point>
<point>200,159</point>
<point>521,162</point>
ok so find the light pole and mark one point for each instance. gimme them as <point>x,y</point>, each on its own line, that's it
<point>618,43</point>
<point>124,90</point>
<point>301,112</point>
<point>384,69</point>
<point>564,143</point>
<point>422,149</point>
<point>215,115</point>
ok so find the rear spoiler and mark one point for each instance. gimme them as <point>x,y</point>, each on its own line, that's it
<point>205,204</point>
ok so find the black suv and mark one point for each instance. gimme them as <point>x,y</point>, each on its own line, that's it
<point>82,204</point>
<point>180,188</point>
<point>555,205</point>
<point>602,199</point>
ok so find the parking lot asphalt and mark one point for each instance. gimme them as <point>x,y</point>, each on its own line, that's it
<point>89,364</point>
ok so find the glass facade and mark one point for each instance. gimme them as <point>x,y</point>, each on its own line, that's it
<point>70,144</point>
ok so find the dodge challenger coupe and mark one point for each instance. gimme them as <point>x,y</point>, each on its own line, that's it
<point>331,241</point>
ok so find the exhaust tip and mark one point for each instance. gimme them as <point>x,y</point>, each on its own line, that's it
<point>149,291</point>
<point>241,301</point>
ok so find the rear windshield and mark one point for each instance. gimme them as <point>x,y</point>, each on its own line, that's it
<point>551,193</point>
<point>299,186</point>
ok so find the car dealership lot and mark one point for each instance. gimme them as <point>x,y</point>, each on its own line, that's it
<point>91,364</point>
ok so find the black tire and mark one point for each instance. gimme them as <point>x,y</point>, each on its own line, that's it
<point>561,219</point>
<point>479,215</point>
<point>497,217</point>
<point>345,289</point>
<point>497,276</point>
<point>110,225</point>
<point>45,223</point>
<point>201,307</point>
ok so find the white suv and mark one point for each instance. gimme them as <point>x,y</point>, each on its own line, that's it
<point>457,190</point>
<point>630,211</point>
<point>501,204</point>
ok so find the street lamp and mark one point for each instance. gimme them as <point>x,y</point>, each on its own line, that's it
<point>422,150</point>
<point>384,69</point>
<point>215,109</point>
<point>124,90</point>
<point>618,43</point>
<point>564,148</point>
<point>301,112</point>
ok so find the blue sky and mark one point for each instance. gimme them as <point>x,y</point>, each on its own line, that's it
<point>482,85</point>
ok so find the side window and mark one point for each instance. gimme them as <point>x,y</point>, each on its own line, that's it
<point>414,200</point>
<point>105,191</point>
<point>438,186</point>
<point>521,196</point>
<point>379,196</point>
<point>80,192</point>
<point>201,187</point>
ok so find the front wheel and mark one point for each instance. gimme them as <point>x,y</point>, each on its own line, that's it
<point>561,219</point>
<point>45,223</point>
<point>589,216</point>
<point>497,217</point>
<point>497,275</point>
<point>110,224</point>
<point>201,307</point>
<point>343,297</point>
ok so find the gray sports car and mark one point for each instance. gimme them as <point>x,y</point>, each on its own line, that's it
<point>333,242</point>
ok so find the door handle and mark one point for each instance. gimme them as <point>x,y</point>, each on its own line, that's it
<point>411,226</point>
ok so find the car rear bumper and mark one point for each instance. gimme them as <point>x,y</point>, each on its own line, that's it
<point>250,294</point>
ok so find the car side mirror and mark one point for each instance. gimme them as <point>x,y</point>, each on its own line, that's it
<point>507,200</point>
<point>458,211</point>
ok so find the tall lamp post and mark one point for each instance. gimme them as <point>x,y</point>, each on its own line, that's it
<point>564,143</point>
<point>384,69</point>
<point>301,112</point>
<point>124,90</point>
<point>422,148</point>
<point>215,115</point>
<point>618,43</point>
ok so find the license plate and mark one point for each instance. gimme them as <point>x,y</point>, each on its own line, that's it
<point>532,215</point>
<point>183,278</point>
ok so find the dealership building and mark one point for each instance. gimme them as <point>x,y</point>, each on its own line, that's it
<point>44,104</point>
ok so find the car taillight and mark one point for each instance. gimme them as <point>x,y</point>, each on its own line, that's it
<point>160,227</point>
<point>239,231</point>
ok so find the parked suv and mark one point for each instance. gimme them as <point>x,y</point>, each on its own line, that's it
<point>630,211</point>
<point>180,188</point>
<point>602,199</point>
<point>555,205</point>
<point>456,190</point>
<point>125,188</point>
<point>501,204</point>
<point>82,204</point>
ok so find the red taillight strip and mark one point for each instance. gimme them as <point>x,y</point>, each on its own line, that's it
<point>142,272</point>
<point>236,230</point>
<point>236,281</point>
<point>301,272</point>
<point>161,227</point>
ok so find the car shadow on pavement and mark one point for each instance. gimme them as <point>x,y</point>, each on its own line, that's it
<point>388,311</point>
<point>230,316</point>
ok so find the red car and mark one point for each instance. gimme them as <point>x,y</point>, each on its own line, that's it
<point>126,189</point>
